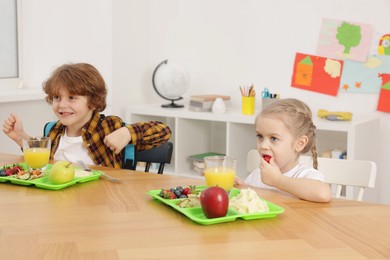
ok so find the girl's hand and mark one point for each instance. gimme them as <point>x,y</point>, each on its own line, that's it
<point>237,181</point>
<point>270,172</point>
<point>13,128</point>
<point>118,139</point>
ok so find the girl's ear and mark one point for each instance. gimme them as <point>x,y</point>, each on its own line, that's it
<point>300,143</point>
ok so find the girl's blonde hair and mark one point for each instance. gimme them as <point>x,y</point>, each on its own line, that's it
<point>297,117</point>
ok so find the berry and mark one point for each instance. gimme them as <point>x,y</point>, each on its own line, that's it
<point>171,195</point>
<point>17,168</point>
<point>9,172</point>
<point>267,158</point>
<point>186,191</point>
<point>177,193</point>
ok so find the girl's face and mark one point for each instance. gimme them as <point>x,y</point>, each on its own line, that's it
<point>274,139</point>
<point>72,111</point>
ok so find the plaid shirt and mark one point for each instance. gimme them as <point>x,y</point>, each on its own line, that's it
<point>144,135</point>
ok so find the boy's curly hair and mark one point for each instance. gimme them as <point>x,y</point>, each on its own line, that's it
<point>81,79</point>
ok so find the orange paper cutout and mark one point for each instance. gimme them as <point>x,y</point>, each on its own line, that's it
<point>317,74</point>
<point>384,95</point>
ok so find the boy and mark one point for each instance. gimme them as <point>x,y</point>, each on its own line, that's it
<point>77,93</point>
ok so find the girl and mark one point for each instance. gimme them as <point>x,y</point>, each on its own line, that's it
<point>77,94</point>
<point>285,130</point>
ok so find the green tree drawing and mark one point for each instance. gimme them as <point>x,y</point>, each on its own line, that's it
<point>349,36</point>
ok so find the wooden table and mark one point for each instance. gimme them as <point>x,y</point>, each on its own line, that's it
<point>105,220</point>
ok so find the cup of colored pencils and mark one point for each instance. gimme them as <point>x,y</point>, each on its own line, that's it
<point>248,95</point>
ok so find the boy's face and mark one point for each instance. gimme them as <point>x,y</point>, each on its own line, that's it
<point>72,111</point>
<point>274,139</point>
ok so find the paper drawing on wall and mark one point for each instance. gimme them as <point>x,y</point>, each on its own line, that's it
<point>361,77</point>
<point>317,74</point>
<point>304,72</point>
<point>344,40</point>
<point>384,95</point>
<point>384,45</point>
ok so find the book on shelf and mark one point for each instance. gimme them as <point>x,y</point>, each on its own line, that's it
<point>204,103</point>
<point>198,164</point>
<point>209,97</point>
<point>207,106</point>
<point>198,167</point>
<point>197,161</point>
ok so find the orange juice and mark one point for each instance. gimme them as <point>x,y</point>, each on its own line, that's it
<point>220,176</point>
<point>36,157</point>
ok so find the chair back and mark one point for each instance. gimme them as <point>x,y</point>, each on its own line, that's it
<point>252,160</point>
<point>339,173</point>
<point>161,154</point>
<point>346,172</point>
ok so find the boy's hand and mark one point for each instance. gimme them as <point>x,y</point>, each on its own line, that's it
<point>270,172</point>
<point>118,139</point>
<point>13,128</point>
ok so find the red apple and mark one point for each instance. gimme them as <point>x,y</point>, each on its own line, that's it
<point>214,201</point>
<point>267,157</point>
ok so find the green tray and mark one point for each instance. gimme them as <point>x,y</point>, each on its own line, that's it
<point>43,182</point>
<point>196,213</point>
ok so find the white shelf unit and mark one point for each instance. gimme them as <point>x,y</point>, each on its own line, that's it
<point>234,134</point>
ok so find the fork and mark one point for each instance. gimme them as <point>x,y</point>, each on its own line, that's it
<point>86,168</point>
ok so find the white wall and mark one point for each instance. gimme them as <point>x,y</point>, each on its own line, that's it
<point>53,33</point>
<point>58,32</point>
<point>34,115</point>
<point>224,44</point>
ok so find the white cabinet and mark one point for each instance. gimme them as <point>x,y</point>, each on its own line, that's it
<point>234,134</point>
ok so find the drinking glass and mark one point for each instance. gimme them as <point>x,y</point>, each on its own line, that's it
<point>220,171</point>
<point>36,152</point>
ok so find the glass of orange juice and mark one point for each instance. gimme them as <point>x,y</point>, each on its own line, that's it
<point>220,171</point>
<point>36,152</point>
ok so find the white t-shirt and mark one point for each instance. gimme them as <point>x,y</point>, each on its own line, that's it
<point>72,149</point>
<point>300,171</point>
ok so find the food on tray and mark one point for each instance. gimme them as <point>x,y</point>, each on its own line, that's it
<point>248,202</point>
<point>195,212</point>
<point>215,202</point>
<point>79,173</point>
<point>61,172</point>
<point>190,202</point>
<point>178,193</point>
<point>10,170</point>
<point>16,171</point>
<point>21,174</point>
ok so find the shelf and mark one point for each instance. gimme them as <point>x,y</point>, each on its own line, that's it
<point>234,134</point>
<point>231,115</point>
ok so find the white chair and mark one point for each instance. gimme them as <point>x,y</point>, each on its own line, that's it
<point>351,173</point>
<point>252,161</point>
<point>337,172</point>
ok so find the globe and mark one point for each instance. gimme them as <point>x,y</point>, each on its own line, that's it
<point>170,81</point>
